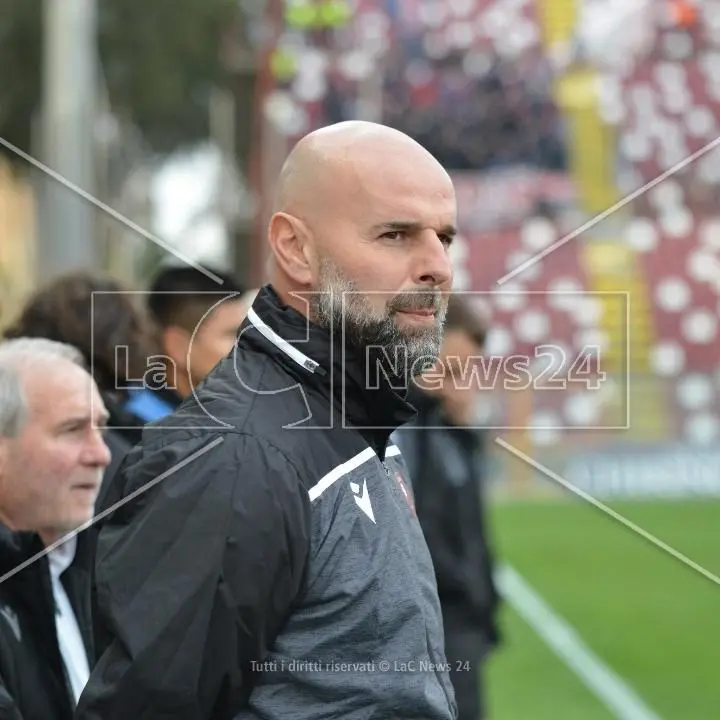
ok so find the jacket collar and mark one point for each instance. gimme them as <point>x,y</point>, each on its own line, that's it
<point>16,547</point>
<point>31,587</point>
<point>369,401</point>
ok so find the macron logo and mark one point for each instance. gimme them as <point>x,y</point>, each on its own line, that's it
<point>362,499</point>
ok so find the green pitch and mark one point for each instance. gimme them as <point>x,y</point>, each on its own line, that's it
<point>645,615</point>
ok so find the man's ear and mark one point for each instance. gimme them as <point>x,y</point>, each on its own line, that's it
<point>176,344</point>
<point>292,248</point>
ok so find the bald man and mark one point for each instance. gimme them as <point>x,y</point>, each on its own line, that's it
<point>268,562</point>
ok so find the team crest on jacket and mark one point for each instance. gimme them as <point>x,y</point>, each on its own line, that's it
<point>406,494</point>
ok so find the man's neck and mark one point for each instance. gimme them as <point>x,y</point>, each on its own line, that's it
<point>297,298</point>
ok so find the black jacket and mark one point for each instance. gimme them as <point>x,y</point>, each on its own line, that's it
<point>446,465</point>
<point>270,521</point>
<point>124,430</point>
<point>33,682</point>
<point>129,412</point>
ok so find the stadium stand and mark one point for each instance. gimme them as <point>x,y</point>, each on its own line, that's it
<point>671,114</point>
<point>538,145</point>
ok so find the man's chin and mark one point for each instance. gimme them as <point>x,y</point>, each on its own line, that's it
<point>78,520</point>
<point>422,354</point>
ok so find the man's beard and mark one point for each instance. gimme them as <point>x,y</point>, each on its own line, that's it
<point>338,306</point>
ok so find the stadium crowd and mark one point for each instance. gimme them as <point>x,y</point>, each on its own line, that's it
<point>452,112</point>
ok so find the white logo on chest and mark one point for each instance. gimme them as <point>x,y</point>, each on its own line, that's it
<point>362,499</point>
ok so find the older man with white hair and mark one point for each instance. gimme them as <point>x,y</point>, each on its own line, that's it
<point>52,457</point>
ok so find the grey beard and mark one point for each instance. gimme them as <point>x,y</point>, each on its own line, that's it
<point>402,354</point>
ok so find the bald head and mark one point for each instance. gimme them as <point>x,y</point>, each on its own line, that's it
<point>331,162</point>
<point>365,214</point>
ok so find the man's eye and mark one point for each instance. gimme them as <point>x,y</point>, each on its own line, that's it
<point>394,235</point>
<point>446,239</point>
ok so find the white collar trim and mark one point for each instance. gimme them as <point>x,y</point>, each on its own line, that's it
<point>283,345</point>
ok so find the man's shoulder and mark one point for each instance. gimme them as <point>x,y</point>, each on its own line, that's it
<point>237,426</point>
<point>195,450</point>
<point>209,477</point>
<point>247,391</point>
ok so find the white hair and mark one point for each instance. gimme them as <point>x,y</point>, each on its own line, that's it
<point>21,354</point>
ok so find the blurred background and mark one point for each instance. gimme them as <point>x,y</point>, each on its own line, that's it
<point>582,137</point>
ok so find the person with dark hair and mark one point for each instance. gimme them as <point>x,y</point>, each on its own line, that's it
<point>445,456</point>
<point>98,316</point>
<point>198,320</point>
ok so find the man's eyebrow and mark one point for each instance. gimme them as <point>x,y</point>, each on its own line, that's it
<point>102,418</point>
<point>75,420</point>
<point>396,226</point>
<point>410,226</point>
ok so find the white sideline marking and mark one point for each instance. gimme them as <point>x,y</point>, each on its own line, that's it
<point>622,701</point>
<point>608,511</point>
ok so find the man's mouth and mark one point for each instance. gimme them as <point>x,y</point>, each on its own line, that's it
<point>424,312</point>
<point>87,487</point>
<point>419,316</point>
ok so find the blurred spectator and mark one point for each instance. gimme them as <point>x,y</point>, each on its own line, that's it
<point>336,104</point>
<point>610,33</point>
<point>198,320</point>
<point>504,117</point>
<point>445,457</point>
<point>97,316</point>
<point>52,457</point>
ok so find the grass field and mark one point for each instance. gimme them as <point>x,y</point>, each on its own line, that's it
<point>649,618</point>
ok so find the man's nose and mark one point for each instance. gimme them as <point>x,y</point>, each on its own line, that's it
<point>97,453</point>
<point>432,263</point>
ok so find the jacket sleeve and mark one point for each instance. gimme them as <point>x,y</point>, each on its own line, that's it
<point>8,708</point>
<point>195,578</point>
